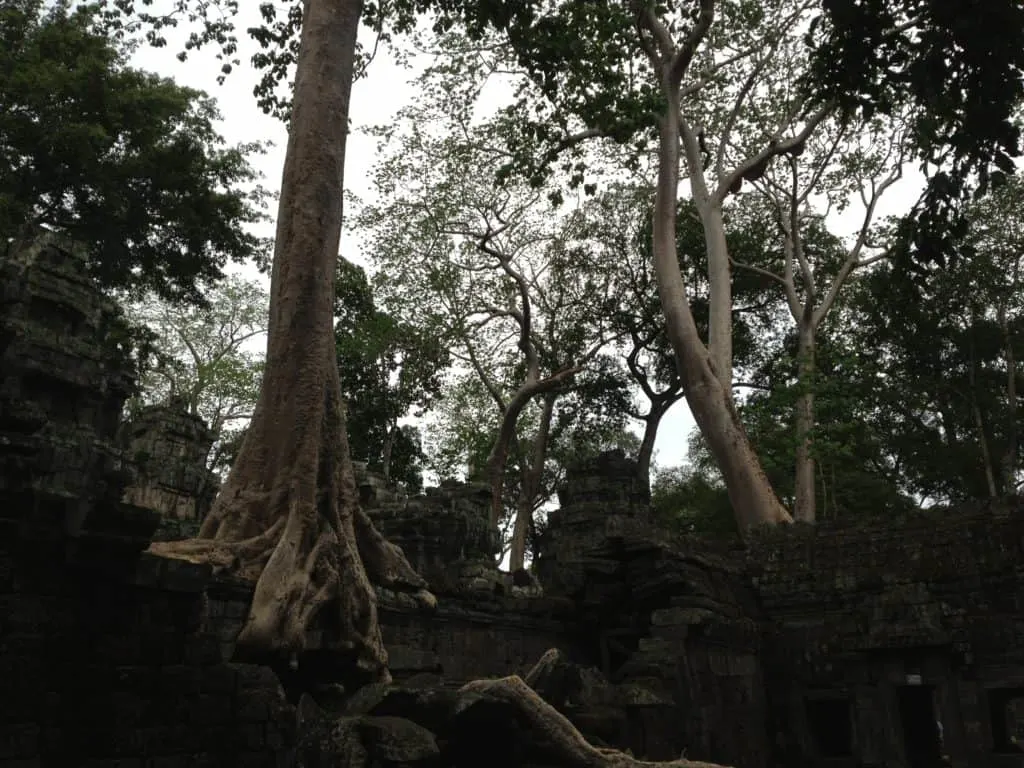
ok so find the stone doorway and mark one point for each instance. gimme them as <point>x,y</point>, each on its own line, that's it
<point>922,737</point>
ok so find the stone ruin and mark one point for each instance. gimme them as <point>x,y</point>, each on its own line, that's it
<point>882,643</point>
<point>168,447</point>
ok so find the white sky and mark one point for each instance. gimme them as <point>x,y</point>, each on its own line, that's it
<point>375,99</point>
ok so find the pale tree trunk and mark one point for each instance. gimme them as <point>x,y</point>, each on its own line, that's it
<point>532,475</point>
<point>804,509</point>
<point>720,284</point>
<point>288,516</point>
<point>752,497</point>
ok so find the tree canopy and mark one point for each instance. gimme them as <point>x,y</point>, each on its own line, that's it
<point>125,162</point>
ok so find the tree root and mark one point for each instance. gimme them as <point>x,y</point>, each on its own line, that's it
<point>558,734</point>
<point>313,553</point>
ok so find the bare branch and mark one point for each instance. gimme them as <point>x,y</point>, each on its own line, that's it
<point>775,147</point>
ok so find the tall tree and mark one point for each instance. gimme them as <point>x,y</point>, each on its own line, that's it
<point>503,275</point>
<point>123,161</point>
<point>300,396</point>
<point>288,514</point>
<point>811,267</point>
<point>630,70</point>
<point>618,234</point>
<point>944,347</point>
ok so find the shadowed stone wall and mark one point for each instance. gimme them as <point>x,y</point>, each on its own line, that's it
<point>168,447</point>
<point>668,621</point>
<point>880,631</point>
<point>106,658</point>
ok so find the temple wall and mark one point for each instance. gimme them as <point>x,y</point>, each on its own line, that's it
<point>879,632</point>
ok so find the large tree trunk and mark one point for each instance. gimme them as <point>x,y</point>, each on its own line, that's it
<point>753,499</point>
<point>288,515</point>
<point>805,507</point>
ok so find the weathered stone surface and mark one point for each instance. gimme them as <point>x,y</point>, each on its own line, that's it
<point>65,373</point>
<point>168,447</point>
<point>816,647</point>
<point>369,742</point>
<point>863,615</point>
<point>445,533</point>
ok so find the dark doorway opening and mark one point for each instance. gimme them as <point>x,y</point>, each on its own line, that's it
<point>1006,715</point>
<point>829,721</point>
<point>921,742</point>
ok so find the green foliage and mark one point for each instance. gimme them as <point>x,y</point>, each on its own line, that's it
<point>210,357</point>
<point>123,161</point>
<point>688,500</point>
<point>389,369</point>
<point>854,476</point>
<point>946,346</point>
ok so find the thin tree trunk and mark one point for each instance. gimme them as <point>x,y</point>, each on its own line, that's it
<point>804,508</point>
<point>651,424</point>
<point>752,497</point>
<point>1010,456</point>
<point>288,515</point>
<point>386,451</point>
<point>979,421</point>
<point>498,457</point>
<point>530,486</point>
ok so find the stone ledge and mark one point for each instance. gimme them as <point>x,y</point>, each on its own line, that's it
<point>172,574</point>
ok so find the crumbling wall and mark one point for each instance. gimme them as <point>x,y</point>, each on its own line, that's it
<point>98,671</point>
<point>873,628</point>
<point>669,621</point>
<point>107,657</point>
<point>168,447</point>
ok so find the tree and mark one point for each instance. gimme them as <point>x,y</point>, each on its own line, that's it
<point>125,162</point>
<point>618,231</point>
<point>811,266</point>
<point>855,474</point>
<point>388,369</point>
<point>583,421</point>
<point>301,394</point>
<point>627,71</point>
<point>207,357</point>
<point>288,514</point>
<point>942,380</point>
<point>503,279</point>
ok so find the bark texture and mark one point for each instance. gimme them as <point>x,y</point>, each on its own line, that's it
<point>559,735</point>
<point>805,508</point>
<point>288,516</point>
<point>752,497</point>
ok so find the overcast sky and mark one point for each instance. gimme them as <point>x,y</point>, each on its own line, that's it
<point>375,99</point>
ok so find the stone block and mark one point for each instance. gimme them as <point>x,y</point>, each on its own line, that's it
<point>19,741</point>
